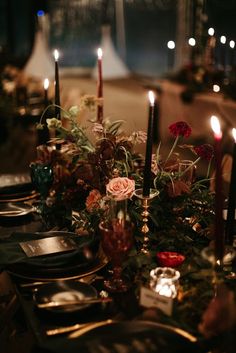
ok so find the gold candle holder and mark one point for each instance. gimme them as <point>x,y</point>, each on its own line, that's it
<point>145,215</point>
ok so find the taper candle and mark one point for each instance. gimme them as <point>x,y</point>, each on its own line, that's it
<point>100,86</point>
<point>57,85</point>
<point>218,230</point>
<point>148,155</point>
<point>45,86</point>
<point>229,234</point>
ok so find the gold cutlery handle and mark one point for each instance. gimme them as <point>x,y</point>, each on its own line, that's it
<point>90,327</point>
<point>61,330</point>
<point>73,302</point>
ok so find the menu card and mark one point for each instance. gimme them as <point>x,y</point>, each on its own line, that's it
<point>47,246</point>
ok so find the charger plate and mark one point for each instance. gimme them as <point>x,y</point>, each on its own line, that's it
<point>135,336</point>
<point>27,272</point>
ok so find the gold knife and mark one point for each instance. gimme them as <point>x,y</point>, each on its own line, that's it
<point>66,329</point>
<point>89,327</point>
<point>54,304</point>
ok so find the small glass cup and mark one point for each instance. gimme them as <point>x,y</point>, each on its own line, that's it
<point>165,281</point>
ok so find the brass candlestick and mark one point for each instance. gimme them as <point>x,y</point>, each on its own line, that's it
<point>145,215</point>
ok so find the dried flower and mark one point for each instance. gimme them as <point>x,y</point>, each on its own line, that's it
<point>177,188</point>
<point>138,137</point>
<point>54,123</point>
<point>204,151</point>
<point>180,128</point>
<point>154,166</point>
<point>93,200</point>
<point>88,101</point>
<point>121,188</point>
<point>97,128</point>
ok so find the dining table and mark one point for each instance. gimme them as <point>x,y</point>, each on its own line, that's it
<point>108,321</point>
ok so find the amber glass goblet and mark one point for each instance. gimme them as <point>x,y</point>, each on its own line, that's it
<point>116,240</point>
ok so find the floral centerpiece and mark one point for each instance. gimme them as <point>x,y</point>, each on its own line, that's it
<point>83,166</point>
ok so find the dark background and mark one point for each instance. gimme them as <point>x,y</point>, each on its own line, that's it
<point>76,29</point>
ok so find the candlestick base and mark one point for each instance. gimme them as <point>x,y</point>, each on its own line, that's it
<point>145,215</point>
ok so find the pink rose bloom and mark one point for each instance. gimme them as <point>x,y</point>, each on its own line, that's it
<point>121,188</point>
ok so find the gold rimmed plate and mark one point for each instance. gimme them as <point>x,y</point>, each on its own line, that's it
<point>25,272</point>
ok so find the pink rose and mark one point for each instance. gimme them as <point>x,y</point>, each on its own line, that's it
<point>121,188</point>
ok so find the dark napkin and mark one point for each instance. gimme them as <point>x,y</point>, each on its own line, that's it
<point>12,253</point>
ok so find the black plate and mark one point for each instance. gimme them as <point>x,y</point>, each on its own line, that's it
<point>130,337</point>
<point>140,336</point>
<point>15,183</point>
<point>27,272</point>
<point>66,291</point>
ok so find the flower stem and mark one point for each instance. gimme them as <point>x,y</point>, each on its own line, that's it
<point>190,166</point>
<point>172,149</point>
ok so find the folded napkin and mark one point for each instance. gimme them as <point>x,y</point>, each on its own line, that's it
<point>12,253</point>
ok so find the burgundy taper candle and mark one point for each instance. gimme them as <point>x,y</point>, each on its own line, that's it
<point>218,230</point>
<point>100,86</point>
<point>148,155</point>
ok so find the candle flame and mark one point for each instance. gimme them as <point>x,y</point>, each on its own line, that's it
<point>215,125</point>
<point>192,42</point>
<point>151,97</point>
<point>234,134</point>
<point>223,39</point>
<point>99,52</point>
<point>171,44</point>
<point>46,83</point>
<point>216,88</point>
<point>232,44</point>
<point>56,54</point>
<point>211,31</point>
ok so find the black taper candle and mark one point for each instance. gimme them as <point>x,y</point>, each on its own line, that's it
<point>229,232</point>
<point>57,87</point>
<point>148,155</point>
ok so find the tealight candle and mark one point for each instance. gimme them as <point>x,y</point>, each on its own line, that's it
<point>218,231</point>
<point>165,281</point>
<point>148,156</point>
<point>57,86</point>
<point>100,86</point>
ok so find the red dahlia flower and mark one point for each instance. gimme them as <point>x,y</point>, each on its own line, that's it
<point>181,128</point>
<point>205,151</point>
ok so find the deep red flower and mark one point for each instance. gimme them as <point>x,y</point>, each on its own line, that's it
<point>181,128</point>
<point>205,151</point>
<point>170,259</point>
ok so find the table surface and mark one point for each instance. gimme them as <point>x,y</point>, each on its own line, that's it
<point>124,306</point>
